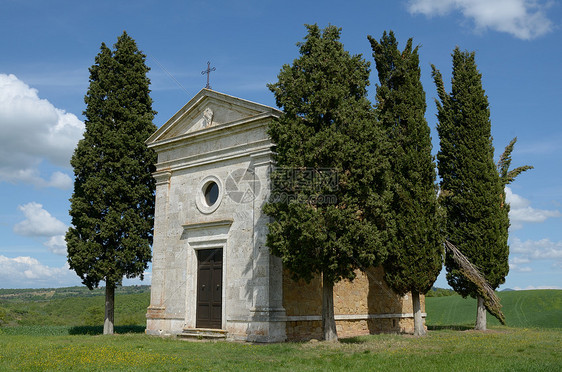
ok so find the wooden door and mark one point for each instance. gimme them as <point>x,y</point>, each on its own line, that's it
<point>209,288</point>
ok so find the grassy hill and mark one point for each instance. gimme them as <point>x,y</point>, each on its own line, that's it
<point>73,306</point>
<point>535,308</point>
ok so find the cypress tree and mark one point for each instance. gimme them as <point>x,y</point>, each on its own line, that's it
<point>327,130</point>
<point>471,188</point>
<point>112,207</point>
<point>508,176</point>
<point>415,249</point>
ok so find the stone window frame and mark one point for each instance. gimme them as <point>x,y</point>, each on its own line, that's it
<point>200,199</point>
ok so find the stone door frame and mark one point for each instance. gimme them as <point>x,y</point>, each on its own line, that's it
<point>208,235</point>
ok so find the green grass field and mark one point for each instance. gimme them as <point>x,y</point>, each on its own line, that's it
<point>526,345</point>
<point>536,308</point>
<point>511,349</point>
<point>75,306</point>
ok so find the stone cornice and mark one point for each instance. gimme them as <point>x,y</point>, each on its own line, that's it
<point>162,177</point>
<point>255,149</point>
<point>207,225</point>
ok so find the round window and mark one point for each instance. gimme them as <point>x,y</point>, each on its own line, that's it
<point>211,193</point>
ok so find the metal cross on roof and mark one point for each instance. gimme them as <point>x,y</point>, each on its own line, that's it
<point>208,72</point>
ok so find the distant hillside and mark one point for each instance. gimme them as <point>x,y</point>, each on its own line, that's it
<point>533,308</point>
<point>53,293</point>
<point>72,306</point>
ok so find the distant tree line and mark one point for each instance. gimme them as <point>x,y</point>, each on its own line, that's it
<point>439,292</point>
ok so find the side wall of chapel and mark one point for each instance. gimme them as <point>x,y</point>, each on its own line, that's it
<point>365,306</point>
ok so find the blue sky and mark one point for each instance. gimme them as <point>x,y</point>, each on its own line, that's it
<point>49,46</point>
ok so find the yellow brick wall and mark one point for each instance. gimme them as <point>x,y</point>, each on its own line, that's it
<point>367,294</point>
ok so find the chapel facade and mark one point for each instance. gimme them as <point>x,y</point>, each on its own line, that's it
<point>212,272</point>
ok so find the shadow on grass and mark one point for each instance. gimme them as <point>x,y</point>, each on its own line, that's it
<point>98,330</point>
<point>454,327</point>
<point>352,340</point>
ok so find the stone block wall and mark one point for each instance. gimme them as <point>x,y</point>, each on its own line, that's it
<point>364,306</point>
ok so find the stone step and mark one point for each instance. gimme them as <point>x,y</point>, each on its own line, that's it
<point>203,334</point>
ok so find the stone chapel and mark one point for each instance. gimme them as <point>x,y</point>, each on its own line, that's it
<point>212,274</point>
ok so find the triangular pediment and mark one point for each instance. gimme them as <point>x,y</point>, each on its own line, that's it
<point>208,109</point>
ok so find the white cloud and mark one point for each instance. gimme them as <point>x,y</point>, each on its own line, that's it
<point>543,249</point>
<point>31,176</point>
<point>524,19</point>
<point>522,212</point>
<point>537,287</point>
<point>60,180</point>
<point>33,131</point>
<point>517,260</point>
<point>534,250</point>
<point>28,272</point>
<point>515,267</point>
<point>38,222</point>
<point>431,7</point>
<point>56,244</point>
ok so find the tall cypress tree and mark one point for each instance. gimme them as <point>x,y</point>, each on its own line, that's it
<point>112,207</point>
<point>415,249</point>
<point>473,192</point>
<point>327,123</point>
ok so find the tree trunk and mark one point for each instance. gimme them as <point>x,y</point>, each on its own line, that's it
<point>328,320</point>
<point>419,329</point>
<point>109,308</point>
<point>480,315</point>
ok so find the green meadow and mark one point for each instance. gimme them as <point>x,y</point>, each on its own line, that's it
<point>536,308</point>
<point>531,342</point>
<point>73,306</point>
